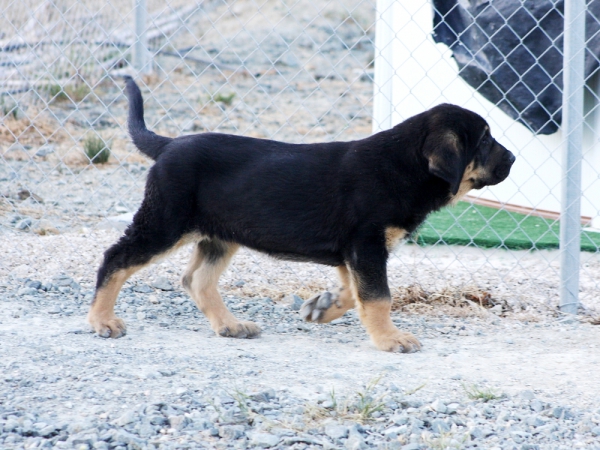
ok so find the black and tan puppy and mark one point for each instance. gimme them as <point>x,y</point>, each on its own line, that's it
<point>343,204</point>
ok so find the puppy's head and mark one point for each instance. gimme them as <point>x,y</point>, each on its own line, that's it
<point>460,150</point>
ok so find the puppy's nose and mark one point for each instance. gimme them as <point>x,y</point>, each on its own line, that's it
<point>509,157</point>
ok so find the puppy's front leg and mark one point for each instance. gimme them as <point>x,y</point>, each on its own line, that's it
<point>367,268</point>
<point>327,306</point>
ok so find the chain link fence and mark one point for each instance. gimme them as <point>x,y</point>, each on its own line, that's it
<point>296,71</point>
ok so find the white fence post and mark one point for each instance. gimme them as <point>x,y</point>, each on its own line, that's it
<point>570,219</point>
<point>141,56</point>
<point>384,66</point>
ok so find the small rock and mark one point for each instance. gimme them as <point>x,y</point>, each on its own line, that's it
<point>162,283</point>
<point>293,301</point>
<point>411,446</point>
<point>177,422</point>
<point>264,396</point>
<point>146,429</point>
<point>399,419</point>
<point>535,421</point>
<point>439,426</point>
<point>232,432</point>
<point>496,309</point>
<point>55,309</point>
<point>476,433</point>
<point>394,432</point>
<point>355,442</point>
<point>34,284</point>
<point>119,222</point>
<point>336,431</point>
<point>281,328</point>
<point>536,405</point>
<point>504,416</point>
<point>527,395</point>
<point>63,281</point>
<point>131,440</point>
<point>120,208</point>
<point>127,417</point>
<point>264,440</point>
<point>45,150</point>
<point>48,431</point>
<point>142,289</point>
<point>439,406</point>
<point>27,291</point>
<point>83,439</point>
<point>24,224</point>
<point>451,408</point>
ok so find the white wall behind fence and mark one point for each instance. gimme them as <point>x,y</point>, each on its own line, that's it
<point>426,75</point>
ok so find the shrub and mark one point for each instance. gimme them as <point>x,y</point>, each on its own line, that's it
<point>96,149</point>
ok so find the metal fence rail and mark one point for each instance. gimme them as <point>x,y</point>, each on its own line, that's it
<point>298,71</point>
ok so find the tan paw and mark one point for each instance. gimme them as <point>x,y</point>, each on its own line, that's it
<point>396,341</point>
<point>110,327</point>
<point>240,330</point>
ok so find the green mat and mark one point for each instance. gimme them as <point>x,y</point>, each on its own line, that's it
<point>481,226</point>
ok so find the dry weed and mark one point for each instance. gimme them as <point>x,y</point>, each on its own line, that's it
<point>26,131</point>
<point>453,301</point>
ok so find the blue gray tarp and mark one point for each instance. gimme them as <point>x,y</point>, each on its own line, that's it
<point>510,51</point>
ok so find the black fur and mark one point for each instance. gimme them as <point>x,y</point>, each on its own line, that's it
<point>328,203</point>
<point>149,143</point>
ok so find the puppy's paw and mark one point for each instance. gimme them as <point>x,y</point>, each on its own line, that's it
<point>324,307</point>
<point>395,340</point>
<point>313,309</point>
<point>240,330</point>
<point>109,327</point>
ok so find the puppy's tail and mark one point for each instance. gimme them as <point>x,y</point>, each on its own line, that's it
<point>147,142</point>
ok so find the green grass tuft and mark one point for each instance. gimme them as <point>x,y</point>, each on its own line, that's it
<point>486,394</point>
<point>360,407</point>
<point>224,98</point>
<point>74,92</point>
<point>96,149</point>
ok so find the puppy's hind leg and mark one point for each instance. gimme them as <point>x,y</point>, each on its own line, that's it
<point>143,242</point>
<point>209,260</point>
<point>327,306</point>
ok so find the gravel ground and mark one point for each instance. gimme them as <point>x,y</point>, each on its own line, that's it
<point>514,374</point>
<point>481,381</point>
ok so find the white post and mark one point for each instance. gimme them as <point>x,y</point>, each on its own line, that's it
<point>384,66</point>
<point>572,120</point>
<point>141,56</point>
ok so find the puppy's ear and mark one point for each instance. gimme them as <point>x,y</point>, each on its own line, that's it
<point>445,155</point>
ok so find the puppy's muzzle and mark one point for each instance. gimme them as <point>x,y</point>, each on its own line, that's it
<point>503,168</point>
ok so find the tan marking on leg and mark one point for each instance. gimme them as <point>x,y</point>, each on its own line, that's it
<point>102,312</point>
<point>375,317</point>
<point>102,315</point>
<point>200,281</point>
<point>344,300</point>
<point>393,236</point>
